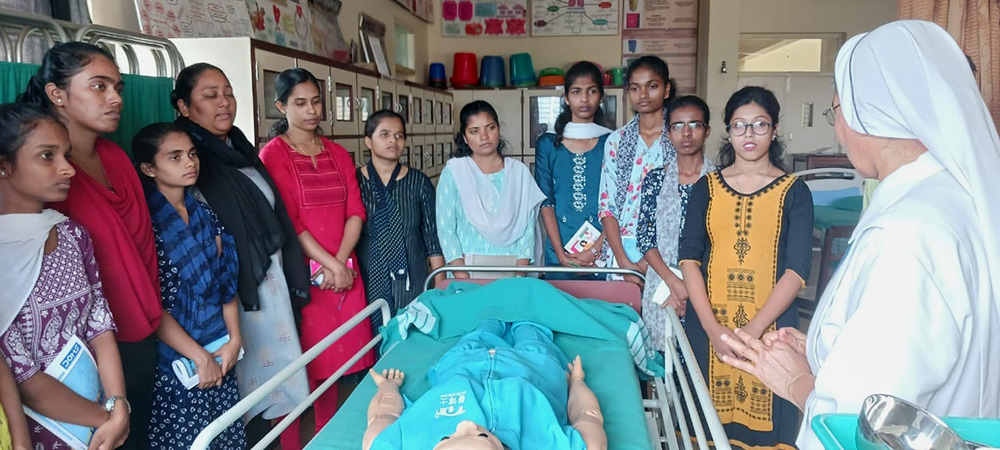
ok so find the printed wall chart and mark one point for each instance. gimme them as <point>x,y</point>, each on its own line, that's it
<point>484,18</point>
<point>194,18</point>
<point>574,17</point>
<point>660,14</point>
<point>287,23</point>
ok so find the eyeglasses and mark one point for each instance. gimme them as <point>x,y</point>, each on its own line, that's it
<point>740,128</point>
<point>831,114</point>
<point>696,125</point>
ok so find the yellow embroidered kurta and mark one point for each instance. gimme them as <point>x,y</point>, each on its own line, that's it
<point>5,442</point>
<point>744,244</point>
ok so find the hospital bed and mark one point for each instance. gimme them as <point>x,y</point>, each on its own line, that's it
<point>673,415</point>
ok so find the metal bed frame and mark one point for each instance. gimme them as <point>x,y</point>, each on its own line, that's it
<point>16,27</point>
<point>665,410</point>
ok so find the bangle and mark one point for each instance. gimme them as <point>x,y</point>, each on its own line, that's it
<point>594,252</point>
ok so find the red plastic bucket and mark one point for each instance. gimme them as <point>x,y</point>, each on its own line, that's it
<point>464,70</point>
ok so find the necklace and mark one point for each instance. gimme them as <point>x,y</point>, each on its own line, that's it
<point>104,172</point>
<point>301,148</point>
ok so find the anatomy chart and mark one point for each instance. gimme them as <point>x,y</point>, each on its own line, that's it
<point>574,17</point>
<point>484,18</point>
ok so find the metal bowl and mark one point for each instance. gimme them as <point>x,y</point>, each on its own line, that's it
<point>888,422</point>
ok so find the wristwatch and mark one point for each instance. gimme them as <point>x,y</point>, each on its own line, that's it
<point>110,403</point>
<point>596,253</point>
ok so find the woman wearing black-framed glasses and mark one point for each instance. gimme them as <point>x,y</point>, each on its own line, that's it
<point>745,253</point>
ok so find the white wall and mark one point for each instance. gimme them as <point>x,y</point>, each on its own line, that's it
<point>115,13</point>
<point>722,22</point>
<point>814,16</point>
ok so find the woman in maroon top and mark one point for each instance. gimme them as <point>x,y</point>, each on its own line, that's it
<point>81,84</point>
<point>316,178</point>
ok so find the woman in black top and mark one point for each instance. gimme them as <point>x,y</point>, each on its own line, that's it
<point>399,242</point>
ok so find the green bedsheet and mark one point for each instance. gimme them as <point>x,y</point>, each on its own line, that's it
<point>608,338</point>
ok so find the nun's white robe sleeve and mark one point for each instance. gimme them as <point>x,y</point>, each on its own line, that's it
<point>901,315</point>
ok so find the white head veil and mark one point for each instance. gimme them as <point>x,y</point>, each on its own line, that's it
<point>909,80</point>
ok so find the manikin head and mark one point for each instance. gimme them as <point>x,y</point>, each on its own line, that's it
<point>470,436</point>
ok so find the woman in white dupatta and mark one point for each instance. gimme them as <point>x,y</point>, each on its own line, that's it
<point>913,309</point>
<point>487,205</point>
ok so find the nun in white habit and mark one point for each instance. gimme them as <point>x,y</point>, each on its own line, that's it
<point>914,308</point>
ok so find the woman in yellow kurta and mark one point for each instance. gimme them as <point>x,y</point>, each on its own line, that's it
<point>745,253</point>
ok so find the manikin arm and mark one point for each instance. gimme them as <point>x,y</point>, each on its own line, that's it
<point>386,406</point>
<point>584,411</point>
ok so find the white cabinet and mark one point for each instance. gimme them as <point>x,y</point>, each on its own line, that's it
<point>543,107</point>
<point>387,94</point>
<point>269,66</point>
<point>367,98</point>
<point>507,102</point>
<point>403,105</point>
<point>459,98</point>
<point>429,164</point>
<point>404,158</point>
<point>354,146</point>
<point>417,152</point>
<point>345,105</point>
<point>417,110</point>
<point>443,105</point>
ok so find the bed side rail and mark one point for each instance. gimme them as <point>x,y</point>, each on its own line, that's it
<point>531,269</point>
<point>204,439</point>
<point>687,392</point>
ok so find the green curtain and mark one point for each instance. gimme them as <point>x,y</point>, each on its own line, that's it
<point>147,99</point>
<point>13,79</point>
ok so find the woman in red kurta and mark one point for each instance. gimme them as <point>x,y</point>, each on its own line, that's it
<point>81,84</point>
<point>316,180</point>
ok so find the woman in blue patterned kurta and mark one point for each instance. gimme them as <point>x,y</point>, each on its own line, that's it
<point>568,170</point>
<point>198,267</point>
<point>487,205</point>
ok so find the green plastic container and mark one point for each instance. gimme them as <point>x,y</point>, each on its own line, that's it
<point>522,71</point>
<point>837,431</point>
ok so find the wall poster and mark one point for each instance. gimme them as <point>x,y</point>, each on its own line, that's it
<point>485,18</point>
<point>679,48</point>
<point>660,14</point>
<point>664,28</point>
<point>287,23</point>
<point>193,18</point>
<point>574,17</point>
<point>328,40</point>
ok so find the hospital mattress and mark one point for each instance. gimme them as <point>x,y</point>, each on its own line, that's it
<point>609,365</point>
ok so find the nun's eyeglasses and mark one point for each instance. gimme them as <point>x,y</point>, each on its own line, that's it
<point>831,114</point>
<point>758,128</point>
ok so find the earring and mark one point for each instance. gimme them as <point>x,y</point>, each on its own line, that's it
<point>3,173</point>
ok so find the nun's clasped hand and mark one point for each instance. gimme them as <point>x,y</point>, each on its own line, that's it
<point>777,364</point>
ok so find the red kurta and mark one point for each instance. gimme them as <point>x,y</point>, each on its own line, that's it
<point>319,200</point>
<point>122,232</point>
